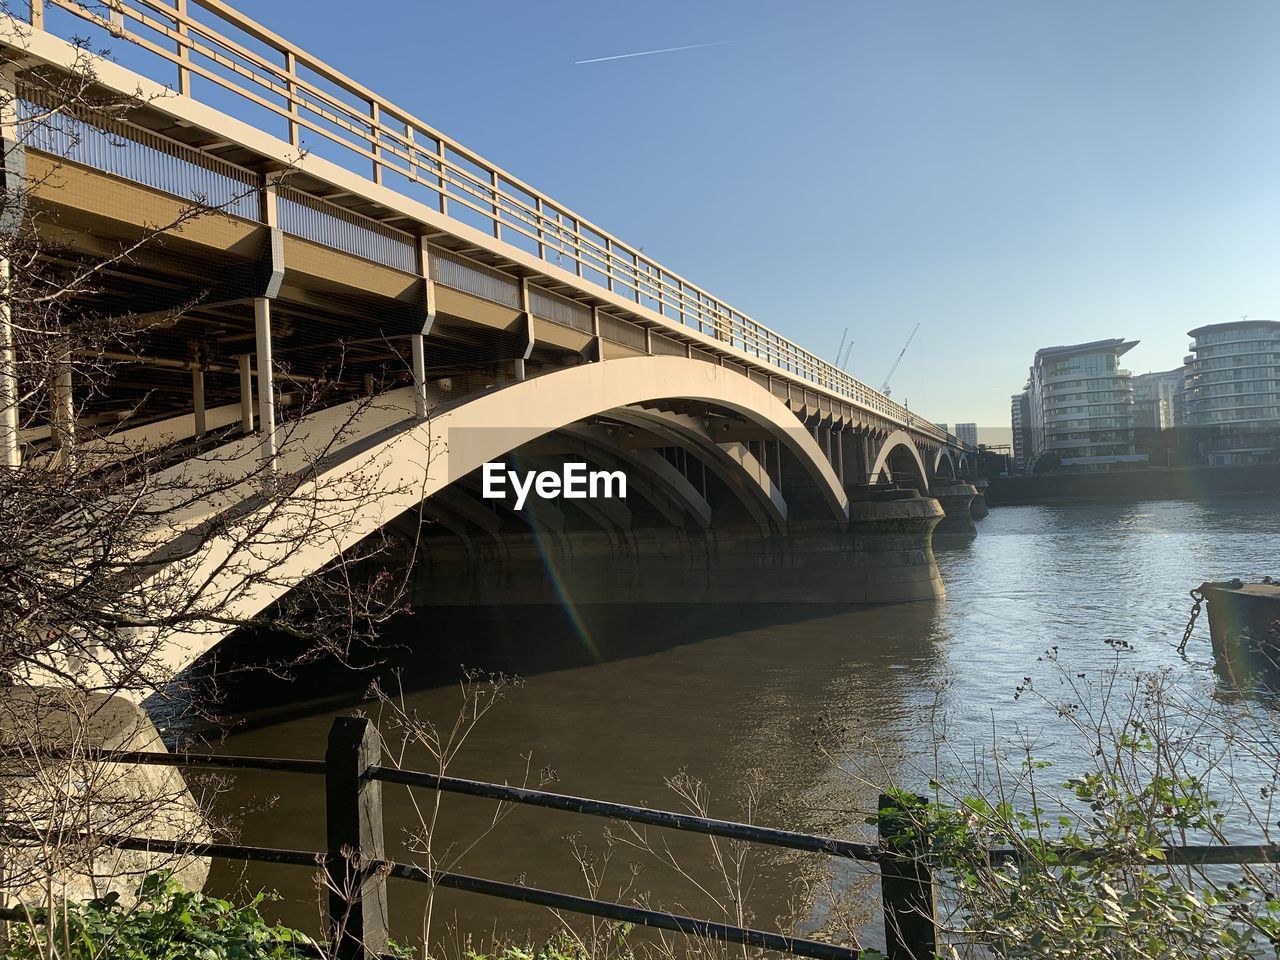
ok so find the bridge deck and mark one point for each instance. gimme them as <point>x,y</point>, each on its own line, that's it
<point>384,224</point>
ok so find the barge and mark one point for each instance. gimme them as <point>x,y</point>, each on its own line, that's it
<point>1244,627</point>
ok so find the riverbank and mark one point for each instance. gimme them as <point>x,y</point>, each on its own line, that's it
<point>1175,483</point>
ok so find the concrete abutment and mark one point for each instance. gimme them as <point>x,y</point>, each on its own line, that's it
<point>51,736</point>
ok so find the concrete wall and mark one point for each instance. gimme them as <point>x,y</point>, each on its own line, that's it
<point>1178,483</point>
<point>884,555</point>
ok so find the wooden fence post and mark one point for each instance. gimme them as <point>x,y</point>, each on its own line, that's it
<point>353,816</point>
<point>906,889</point>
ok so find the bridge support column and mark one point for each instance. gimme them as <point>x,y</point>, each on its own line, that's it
<point>266,380</point>
<point>197,399</point>
<point>418,345</point>
<point>61,718</point>
<point>10,447</point>
<point>62,413</point>
<point>979,507</point>
<point>956,500</point>
<point>10,438</point>
<point>246,393</point>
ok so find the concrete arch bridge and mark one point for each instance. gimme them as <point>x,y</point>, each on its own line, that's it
<point>356,244</point>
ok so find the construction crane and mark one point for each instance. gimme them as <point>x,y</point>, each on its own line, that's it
<point>884,387</point>
<point>843,352</point>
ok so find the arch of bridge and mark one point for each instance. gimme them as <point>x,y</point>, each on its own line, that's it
<point>944,453</point>
<point>901,440</point>
<point>376,478</point>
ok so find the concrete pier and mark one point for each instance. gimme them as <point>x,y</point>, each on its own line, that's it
<point>957,504</point>
<point>978,508</point>
<point>82,795</point>
<point>883,555</point>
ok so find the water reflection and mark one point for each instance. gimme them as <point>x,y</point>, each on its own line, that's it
<point>717,692</point>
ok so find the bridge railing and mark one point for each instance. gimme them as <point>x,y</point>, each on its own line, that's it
<point>214,50</point>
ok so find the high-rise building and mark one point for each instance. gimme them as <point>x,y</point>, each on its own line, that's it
<point>1081,404</point>
<point>1157,400</point>
<point>1233,390</point>
<point>968,433</point>
<point>942,427</point>
<point>1020,418</point>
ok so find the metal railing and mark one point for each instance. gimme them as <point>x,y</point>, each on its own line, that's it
<point>137,155</point>
<point>356,866</point>
<point>274,78</point>
<point>311,219</point>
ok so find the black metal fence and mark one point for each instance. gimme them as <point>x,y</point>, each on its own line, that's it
<point>357,868</point>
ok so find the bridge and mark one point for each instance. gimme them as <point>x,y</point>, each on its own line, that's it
<point>459,316</point>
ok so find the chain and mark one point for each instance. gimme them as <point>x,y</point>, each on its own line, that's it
<point>1198,597</point>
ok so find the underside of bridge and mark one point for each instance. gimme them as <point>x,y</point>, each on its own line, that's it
<point>720,507</point>
<point>728,499</point>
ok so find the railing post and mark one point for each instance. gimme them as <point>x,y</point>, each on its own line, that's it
<point>291,85</point>
<point>184,52</point>
<point>443,169</point>
<point>115,18</point>
<point>495,190</point>
<point>375,140</point>
<point>906,889</point>
<point>353,815</point>
<point>542,247</point>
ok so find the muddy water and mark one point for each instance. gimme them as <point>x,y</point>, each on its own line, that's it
<point>616,701</point>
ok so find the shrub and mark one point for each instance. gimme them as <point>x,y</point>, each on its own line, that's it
<point>167,923</point>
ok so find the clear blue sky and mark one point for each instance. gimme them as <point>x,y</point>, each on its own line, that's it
<point>1009,173</point>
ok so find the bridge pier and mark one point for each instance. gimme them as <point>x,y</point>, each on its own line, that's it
<point>266,380</point>
<point>883,555</point>
<point>979,508</point>
<point>81,794</point>
<point>956,499</point>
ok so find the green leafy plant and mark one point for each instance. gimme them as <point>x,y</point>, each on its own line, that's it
<point>561,946</point>
<point>166,923</point>
<point>1083,868</point>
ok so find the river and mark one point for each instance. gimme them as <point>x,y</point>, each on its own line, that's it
<point>616,701</point>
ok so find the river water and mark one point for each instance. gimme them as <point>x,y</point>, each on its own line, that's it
<point>802,711</point>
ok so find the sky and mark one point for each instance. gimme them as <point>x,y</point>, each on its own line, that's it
<point>1009,174</point>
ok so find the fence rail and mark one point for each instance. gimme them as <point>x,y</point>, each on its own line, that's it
<point>210,46</point>
<point>357,866</point>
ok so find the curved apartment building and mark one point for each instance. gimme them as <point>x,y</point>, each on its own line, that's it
<point>1233,390</point>
<point>1082,404</point>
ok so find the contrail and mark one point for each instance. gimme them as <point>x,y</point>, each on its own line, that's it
<point>649,53</point>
